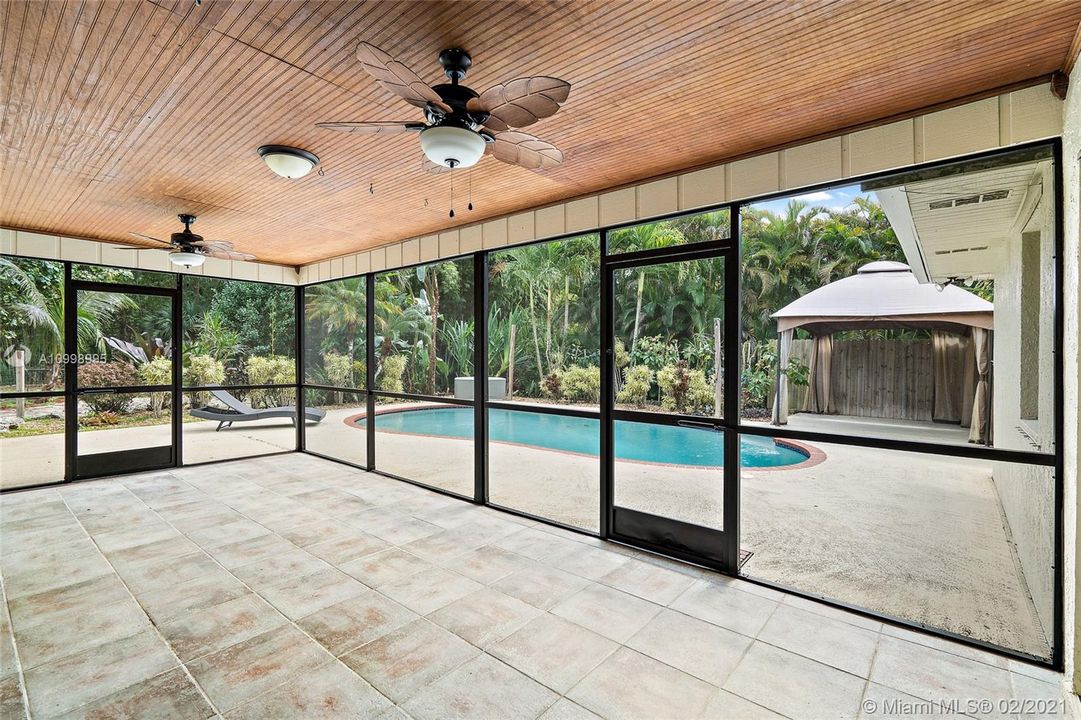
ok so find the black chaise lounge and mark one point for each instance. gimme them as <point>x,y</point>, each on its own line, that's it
<point>242,412</point>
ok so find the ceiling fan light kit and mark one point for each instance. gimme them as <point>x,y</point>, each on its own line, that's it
<point>461,124</point>
<point>452,147</point>
<point>185,259</point>
<point>288,162</point>
<point>188,250</point>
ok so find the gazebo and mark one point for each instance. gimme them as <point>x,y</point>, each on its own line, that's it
<point>884,295</point>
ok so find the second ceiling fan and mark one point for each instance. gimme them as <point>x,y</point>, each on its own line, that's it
<point>462,125</point>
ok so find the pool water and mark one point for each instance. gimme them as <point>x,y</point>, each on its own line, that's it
<point>634,441</point>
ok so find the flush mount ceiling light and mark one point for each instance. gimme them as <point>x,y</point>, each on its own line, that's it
<point>451,146</point>
<point>182,258</point>
<point>289,162</point>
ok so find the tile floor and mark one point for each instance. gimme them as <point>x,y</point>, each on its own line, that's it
<point>294,587</point>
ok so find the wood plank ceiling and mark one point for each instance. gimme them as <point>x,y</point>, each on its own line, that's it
<point>118,114</point>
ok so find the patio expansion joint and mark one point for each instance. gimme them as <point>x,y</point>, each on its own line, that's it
<point>15,648</point>
<point>135,600</point>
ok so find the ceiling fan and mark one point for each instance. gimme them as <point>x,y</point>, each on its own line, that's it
<point>190,250</point>
<point>463,125</point>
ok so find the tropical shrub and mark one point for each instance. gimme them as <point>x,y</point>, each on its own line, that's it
<point>390,373</point>
<point>216,338</point>
<point>158,371</point>
<point>637,382</point>
<point>552,386</point>
<point>623,358</point>
<point>202,370</point>
<point>271,370</point>
<point>338,369</point>
<point>581,384</point>
<point>654,352</point>
<point>683,390</point>
<point>107,374</point>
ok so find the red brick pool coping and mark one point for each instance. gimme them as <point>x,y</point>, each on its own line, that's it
<point>814,455</point>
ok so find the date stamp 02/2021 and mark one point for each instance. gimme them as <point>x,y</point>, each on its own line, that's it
<point>965,706</point>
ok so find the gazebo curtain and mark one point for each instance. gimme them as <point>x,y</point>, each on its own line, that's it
<point>981,403</point>
<point>819,374</point>
<point>954,377</point>
<point>780,400</point>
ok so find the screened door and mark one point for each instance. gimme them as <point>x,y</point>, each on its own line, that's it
<point>670,448</point>
<point>122,338</point>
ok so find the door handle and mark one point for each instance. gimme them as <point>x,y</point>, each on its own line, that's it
<point>696,424</point>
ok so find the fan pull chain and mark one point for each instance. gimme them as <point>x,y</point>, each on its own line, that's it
<point>469,194</point>
<point>452,192</point>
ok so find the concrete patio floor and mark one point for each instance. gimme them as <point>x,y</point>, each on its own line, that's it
<point>295,587</point>
<point>916,537</point>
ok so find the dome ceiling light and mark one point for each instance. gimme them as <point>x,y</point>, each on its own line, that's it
<point>289,162</point>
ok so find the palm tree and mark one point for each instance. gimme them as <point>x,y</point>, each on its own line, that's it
<point>646,237</point>
<point>42,316</point>
<point>537,268</point>
<point>340,306</point>
<point>780,262</point>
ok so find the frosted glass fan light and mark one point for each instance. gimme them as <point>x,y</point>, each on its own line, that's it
<point>450,146</point>
<point>182,258</point>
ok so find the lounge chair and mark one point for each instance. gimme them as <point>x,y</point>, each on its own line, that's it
<point>239,411</point>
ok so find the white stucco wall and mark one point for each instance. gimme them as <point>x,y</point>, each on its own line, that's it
<point>1027,492</point>
<point>56,247</point>
<point>1071,153</point>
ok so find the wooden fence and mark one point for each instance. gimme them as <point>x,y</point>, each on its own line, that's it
<point>875,378</point>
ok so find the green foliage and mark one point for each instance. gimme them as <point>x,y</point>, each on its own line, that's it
<point>158,371</point>
<point>412,307</point>
<point>458,341</point>
<point>215,338</point>
<point>684,390</point>
<point>759,374</point>
<point>623,358</point>
<point>637,382</point>
<point>390,373</point>
<point>107,374</point>
<point>244,317</point>
<point>552,386</point>
<point>581,384</point>
<point>203,370</point>
<point>654,352</point>
<point>271,370</point>
<point>32,312</point>
<point>338,369</point>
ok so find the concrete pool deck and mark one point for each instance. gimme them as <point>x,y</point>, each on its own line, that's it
<point>917,537</point>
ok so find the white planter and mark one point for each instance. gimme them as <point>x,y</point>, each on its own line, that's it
<point>463,388</point>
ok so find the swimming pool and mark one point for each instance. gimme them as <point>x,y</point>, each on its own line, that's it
<point>639,442</point>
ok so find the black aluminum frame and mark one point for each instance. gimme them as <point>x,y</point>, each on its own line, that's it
<point>142,459</point>
<point>727,561</point>
<point>85,467</point>
<point>731,245</point>
<point>712,547</point>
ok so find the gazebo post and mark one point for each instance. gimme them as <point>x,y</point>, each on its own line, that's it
<point>775,416</point>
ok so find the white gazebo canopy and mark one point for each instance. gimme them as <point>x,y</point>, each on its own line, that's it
<point>885,294</point>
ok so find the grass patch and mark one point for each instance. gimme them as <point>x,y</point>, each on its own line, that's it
<point>55,425</point>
